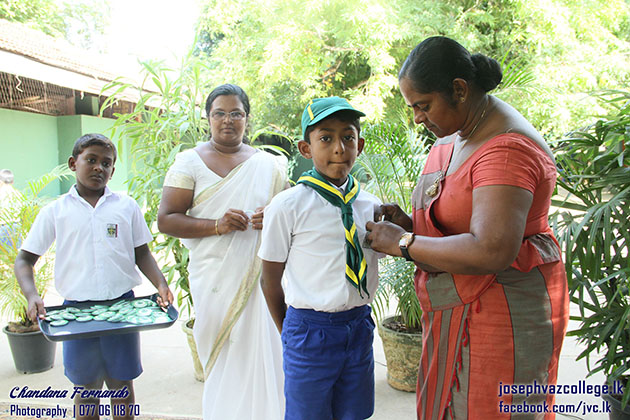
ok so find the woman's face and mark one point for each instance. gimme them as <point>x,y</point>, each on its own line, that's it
<point>227,119</point>
<point>433,110</point>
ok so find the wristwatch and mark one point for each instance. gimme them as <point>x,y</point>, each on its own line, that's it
<point>405,241</point>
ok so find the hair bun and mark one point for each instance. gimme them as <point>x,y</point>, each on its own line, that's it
<point>488,72</point>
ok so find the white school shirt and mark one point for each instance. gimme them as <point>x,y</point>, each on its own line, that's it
<point>306,231</point>
<point>94,257</point>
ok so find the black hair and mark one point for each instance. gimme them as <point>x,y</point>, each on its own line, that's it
<point>227,89</point>
<point>92,139</point>
<point>434,63</point>
<point>345,115</point>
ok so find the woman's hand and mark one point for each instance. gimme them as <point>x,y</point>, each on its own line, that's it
<point>384,237</point>
<point>393,213</point>
<point>257,218</point>
<point>232,220</point>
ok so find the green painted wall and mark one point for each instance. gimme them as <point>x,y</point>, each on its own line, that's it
<point>72,127</point>
<point>32,144</point>
<point>28,146</point>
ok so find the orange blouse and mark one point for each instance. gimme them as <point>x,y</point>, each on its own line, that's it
<point>508,159</point>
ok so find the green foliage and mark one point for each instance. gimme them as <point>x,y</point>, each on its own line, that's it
<point>286,52</point>
<point>18,217</point>
<point>390,166</point>
<point>593,227</point>
<point>79,22</point>
<point>570,47</point>
<point>166,120</point>
<point>44,15</point>
<point>86,22</point>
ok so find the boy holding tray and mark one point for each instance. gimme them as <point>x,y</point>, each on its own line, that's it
<point>313,261</point>
<point>100,237</point>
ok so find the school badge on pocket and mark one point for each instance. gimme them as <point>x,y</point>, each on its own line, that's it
<point>112,230</point>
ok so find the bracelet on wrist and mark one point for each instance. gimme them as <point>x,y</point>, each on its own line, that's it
<point>216,227</point>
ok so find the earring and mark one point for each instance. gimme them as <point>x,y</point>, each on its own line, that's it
<point>462,99</point>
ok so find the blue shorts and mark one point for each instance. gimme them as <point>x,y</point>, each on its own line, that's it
<point>328,364</point>
<point>90,360</point>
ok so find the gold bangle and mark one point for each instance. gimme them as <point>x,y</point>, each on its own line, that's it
<point>216,227</point>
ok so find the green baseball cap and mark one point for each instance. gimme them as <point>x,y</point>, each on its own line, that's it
<point>319,108</point>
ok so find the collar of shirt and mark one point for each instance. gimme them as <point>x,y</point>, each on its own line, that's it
<point>342,188</point>
<point>74,193</point>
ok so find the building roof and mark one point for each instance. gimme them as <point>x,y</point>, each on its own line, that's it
<point>30,53</point>
<point>18,38</point>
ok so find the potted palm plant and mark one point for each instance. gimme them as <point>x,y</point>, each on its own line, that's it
<point>593,227</point>
<point>31,351</point>
<point>389,167</point>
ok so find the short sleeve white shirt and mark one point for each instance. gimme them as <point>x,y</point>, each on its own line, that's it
<point>94,257</point>
<point>304,230</point>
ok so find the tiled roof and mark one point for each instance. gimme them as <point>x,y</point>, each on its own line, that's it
<point>19,39</point>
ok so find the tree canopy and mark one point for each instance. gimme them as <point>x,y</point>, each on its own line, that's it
<point>81,22</point>
<point>284,52</point>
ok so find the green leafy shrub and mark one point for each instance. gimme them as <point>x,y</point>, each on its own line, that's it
<point>593,228</point>
<point>389,167</point>
<point>18,217</point>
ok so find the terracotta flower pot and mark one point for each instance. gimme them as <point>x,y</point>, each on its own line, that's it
<point>187,327</point>
<point>402,352</point>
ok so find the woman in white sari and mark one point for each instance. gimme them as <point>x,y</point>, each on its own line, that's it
<point>213,199</point>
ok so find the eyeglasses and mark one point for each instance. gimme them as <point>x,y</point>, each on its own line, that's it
<point>234,115</point>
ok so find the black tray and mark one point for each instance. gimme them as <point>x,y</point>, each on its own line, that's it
<point>73,330</point>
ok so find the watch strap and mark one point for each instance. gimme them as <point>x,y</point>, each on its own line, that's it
<point>405,253</point>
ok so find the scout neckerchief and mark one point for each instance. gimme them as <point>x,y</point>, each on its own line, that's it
<point>356,266</point>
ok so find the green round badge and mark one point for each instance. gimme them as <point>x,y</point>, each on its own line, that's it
<point>140,303</point>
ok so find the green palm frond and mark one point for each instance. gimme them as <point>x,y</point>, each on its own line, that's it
<point>593,228</point>
<point>17,218</point>
<point>389,167</point>
<point>518,78</point>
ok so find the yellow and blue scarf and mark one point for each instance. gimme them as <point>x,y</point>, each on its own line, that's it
<point>356,267</point>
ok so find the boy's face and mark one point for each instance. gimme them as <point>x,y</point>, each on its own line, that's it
<point>334,146</point>
<point>94,168</point>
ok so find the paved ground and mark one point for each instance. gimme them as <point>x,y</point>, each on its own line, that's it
<point>167,386</point>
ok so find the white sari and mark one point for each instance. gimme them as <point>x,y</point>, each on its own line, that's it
<point>237,341</point>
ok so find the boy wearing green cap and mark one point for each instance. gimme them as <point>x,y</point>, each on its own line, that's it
<point>317,279</point>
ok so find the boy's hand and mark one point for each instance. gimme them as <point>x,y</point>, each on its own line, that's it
<point>165,297</point>
<point>147,265</point>
<point>23,269</point>
<point>271,284</point>
<point>36,309</point>
<point>257,218</point>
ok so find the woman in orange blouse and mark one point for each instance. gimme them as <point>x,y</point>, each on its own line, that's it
<point>490,277</point>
